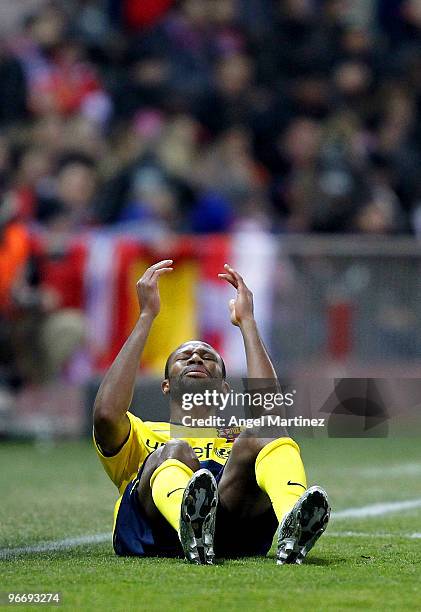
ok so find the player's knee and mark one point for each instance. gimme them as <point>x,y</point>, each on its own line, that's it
<point>181,450</point>
<point>250,443</point>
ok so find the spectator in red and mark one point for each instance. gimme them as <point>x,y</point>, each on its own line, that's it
<point>14,251</point>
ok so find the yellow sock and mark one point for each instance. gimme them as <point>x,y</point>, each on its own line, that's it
<point>168,483</point>
<point>278,464</point>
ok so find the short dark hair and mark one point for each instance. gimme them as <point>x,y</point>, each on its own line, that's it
<point>167,363</point>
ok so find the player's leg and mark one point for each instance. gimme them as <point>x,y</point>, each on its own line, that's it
<point>163,480</point>
<point>262,473</point>
<point>172,486</point>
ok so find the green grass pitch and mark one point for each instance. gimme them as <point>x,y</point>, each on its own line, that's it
<point>370,563</point>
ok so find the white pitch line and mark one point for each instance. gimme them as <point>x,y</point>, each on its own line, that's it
<point>377,509</point>
<point>369,511</point>
<point>400,469</point>
<point>361,534</point>
<point>56,545</point>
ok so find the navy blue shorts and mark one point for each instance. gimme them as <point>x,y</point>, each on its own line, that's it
<point>135,536</point>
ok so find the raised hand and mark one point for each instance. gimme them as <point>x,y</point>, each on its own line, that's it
<point>148,290</point>
<point>241,307</point>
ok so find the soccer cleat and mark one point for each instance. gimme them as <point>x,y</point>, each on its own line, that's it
<point>197,518</point>
<point>302,526</point>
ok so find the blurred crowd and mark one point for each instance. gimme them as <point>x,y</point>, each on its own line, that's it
<point>172,116</point>
<point>202,115</point>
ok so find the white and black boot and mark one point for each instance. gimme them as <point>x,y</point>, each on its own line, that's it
<point>197,518</point>
<point>302,526</point>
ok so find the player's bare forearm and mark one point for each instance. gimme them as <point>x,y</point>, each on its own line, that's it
<point>259,364</point>
<point>115,394</point>
<point>116,391</point>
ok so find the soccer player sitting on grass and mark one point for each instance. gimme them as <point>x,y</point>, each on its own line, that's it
<point>201,497</point>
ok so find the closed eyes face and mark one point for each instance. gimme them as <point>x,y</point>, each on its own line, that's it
<point>195,360</point>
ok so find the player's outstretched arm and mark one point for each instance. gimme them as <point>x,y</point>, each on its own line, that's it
<point>259,364</point>
<point>115,394</point>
